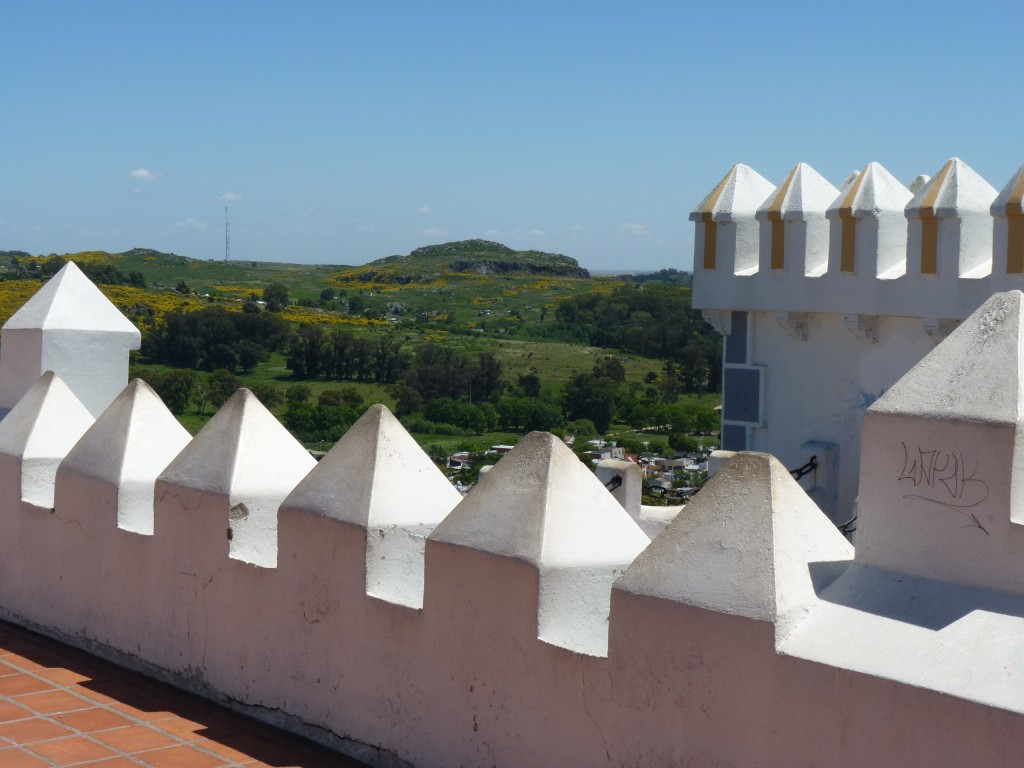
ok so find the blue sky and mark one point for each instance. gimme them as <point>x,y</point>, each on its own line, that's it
<point>341,132</point>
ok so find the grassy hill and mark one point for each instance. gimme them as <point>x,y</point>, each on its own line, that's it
<point>469,259</point>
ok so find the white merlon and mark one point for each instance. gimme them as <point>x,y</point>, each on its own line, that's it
<point>950,226</point>
<point>245,457</point>
<point>944,452</point>
<point>743,546</point>
<point>868,234</point>
<point>378,480</point>
<point>1008,230</point>
<point>36,436</point>
<point>727,232</point>
<point>794,232</point>
<point>541,506</point>
<point>130,444</point>
<point>68,327</point>
<point>625,481</point>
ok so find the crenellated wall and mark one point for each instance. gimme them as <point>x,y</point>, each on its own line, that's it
<point>362,601</point>
<point>841,293</point>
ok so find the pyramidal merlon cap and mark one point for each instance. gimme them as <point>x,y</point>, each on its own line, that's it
<point>70,300</point>
<point>974,375</point>
<point>541,505</point>
<point>956,188</point>
<point>68,327</point>
<point>740,193</point>
<point>804,192</point>
<point>356,481</point>
<point>873,191</point>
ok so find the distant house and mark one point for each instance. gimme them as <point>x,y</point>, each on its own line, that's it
<point>607,452</point>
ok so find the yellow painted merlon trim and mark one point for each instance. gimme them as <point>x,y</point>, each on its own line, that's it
<point>929,244</point>
<point>712,199</point>
<point>778,256</point>
<point>848,223</point>
<point>781,192</point>
<point>1015,229</point>
<point>930,224</point>
<point>710,241</point>
<point>778,240</point>
<point>1014,242</point>
<point>847,262</point>
<point>846,207</point>
<point>1013,202</point>
<point>928,204</point>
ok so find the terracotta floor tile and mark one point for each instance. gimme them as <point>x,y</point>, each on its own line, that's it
<point>62,676</point>
<point>17,758</point>
<point>76,749</point>
<point>236,754</point>
<point>92,720</point>
<point>79,694</point>
<point>14,685</point>
<point>31,731</point>
<point>181,757</point>
<point>185,728</point>
<point>157,713</point>
<point>114,762</point>
<point>51,702</point>
<point>24,662</point>
<point>10,711</point>
<point>135,738</point>
<point>123,690</point>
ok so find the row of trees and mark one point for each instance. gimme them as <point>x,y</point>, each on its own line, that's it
<point>651,319</point>
<point>215,338</point>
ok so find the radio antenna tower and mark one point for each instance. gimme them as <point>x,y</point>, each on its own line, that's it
<point>227,236</point>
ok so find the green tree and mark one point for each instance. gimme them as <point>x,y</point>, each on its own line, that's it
<point>407,399</point>
<point>222,385</point>
<point>591,397</point>
<point>297,393</point>
<point>530,384</point>
<point>276,296</point>
<point>269,395</point>
<point>175,389</point>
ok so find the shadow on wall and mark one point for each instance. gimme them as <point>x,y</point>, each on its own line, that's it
<point>925,603</point>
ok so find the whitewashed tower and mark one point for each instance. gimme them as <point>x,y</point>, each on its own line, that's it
<point>72,329</point>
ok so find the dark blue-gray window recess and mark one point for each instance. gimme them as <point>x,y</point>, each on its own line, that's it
<point>734,437</point>
<point>741,395</point>
<point>736,341</point>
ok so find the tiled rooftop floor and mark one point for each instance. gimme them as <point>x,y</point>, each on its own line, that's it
<point>61,707</point>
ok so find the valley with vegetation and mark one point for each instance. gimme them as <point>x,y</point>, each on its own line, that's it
<point>470,344</point>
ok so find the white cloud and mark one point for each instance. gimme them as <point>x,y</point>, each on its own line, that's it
<point>536,233</point>
<point>423,209</point>
<point>136,190</point>
<point>433,232</point>
<point>191,223</point>
<point>493,233</point>
<point>577,228</point>
<point>143,175</point>
<point>634,229</point>
<point>229,197</point>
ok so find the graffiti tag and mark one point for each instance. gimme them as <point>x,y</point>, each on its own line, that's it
<point>945,478</point>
